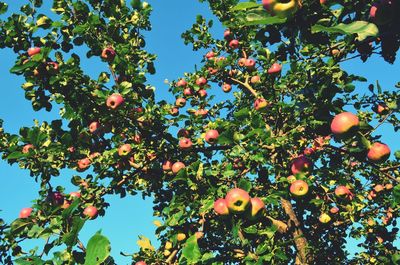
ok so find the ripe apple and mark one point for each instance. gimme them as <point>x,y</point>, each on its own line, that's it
<point>221,207</point>
<point>185,143</point>
<point>301,164</point>
<point>275,69</point>
<point>291,179</point>
<point>344,124</point>
<point>167,165</point>
<point>234,44</point>
<point>260,104</point>
<point>210,55</point>
<point>75,194</point>
<point>299,188</point>
<point>255,79</point>
<point>114,101</point>
<point>378,152</point>
<point>202,93</point>
<point>174,111</point>
<point>177,166</point>
<point>90,212</point>
<point>212,71</point>
<point>25,213</point>
<point>227,34</point>
<point>124,150</point>
<point>27,147</point>
<point>226,87</point>
<point>52,67</point>
<point>378,188</point>
<point>180,237</point>
<point>211,136</point>
<point>83,163</point>
<point>343,192</point>
<point>250,64</point>
<point>323,2</point>
<point>242,62</point>
<point>334,210</point>
<point>180,102</point>
<point>181,83</point>
<point>94,127</point>
<point>140,263</point>
<point>201,112</point>
<point>382,12</point>
<point>34,50</point>
<point>381,109</point>
<point>187,92</point>
<point>324,218</point>
<point>257,207</point>
<point>237,200</point>
<point>108,54</point>
<point>201,81</point>
<point>389,186</point>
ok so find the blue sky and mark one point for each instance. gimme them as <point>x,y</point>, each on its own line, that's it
<point>129,217</point>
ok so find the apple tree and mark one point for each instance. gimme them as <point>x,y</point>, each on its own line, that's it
<point>271,153</point>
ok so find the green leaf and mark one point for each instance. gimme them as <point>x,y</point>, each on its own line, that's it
<point>20,68</point>
<point>244,184</point>
<point>71,238</point>
<point>363,29</point>
<point>242,113</point>
<point>3,8</point>
<point>262,18</point>
<point>396,193</point>
<point>98,249</point>
<point>16,155</point>
<point>244,6</point>
<point>191,251</point>
<point>29,260</point>
<point>19,225</point>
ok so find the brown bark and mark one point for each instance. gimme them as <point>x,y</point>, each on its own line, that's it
<point>298,236</point>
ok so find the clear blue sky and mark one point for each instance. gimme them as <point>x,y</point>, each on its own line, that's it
<point>129,217</point>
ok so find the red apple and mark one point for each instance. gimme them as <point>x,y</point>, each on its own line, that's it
<point>140,263</point>
<point>275,69</point>
<point>257,206</point>
<point>183,133</point>
<point>242,62</point>
<point>57,198</point>
<point>237,200</point>
<point>114,101</point>
<point>301,164</point>
<point>344,123</point>
<point>167,165</point>
<point>25,213</point>
<point>382,12</point>
<point>226,87</point>
<point>75,194</point>
<point>34,50</point>
<point>381,109</point>
<point>94,127</point>
<point>299,188</point>
<point>227,34</point>
<point>52,66</point>
<point>181,83</point>
<point>83,163</point>
<point>187,92</point>
<point>201,112</point>
<point>343,192</point>
<point>221,207</point>
<point>250,64</point>
<point>137,139</point>
<point>201,81</point>
<point>210,55</point>
<point>291,179</point>
<point>27,147</point>
<point>255,79</point>
<point>177,166</point>
<point>174,111</point>
<point>90,212</point>
<point>234,44</point>
<point>124,150</point>
<point>378,152</point>
<point>180,102</point>
<point>334,210</point>
<point>185,143</point>
<point>260,104</point>
<point>211,136</point>
<point>202,93</point>
<point>108,54</point>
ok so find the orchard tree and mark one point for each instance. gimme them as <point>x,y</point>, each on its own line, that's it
<point>283,169</point>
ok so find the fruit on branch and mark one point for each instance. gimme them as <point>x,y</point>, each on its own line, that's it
<point>185,143</point>
<point>211,136</point>
<point>381,109</point>
<point>210,55</point>
<point>255,79</point>
<point>237,200</point>
<point>180,102</point>
<point>234,44</point>
<point>124,150</point>
<point>187,92</point>
<point>250,64</point>
<point>25,213</point>
<point>90,212</point>
<point>221,207</point>
<point>242,62</point>
<point>52,67</point>
<point>33,51</point>
<point>201,112</point>
<point>344,124</point>
<point>201,81</point>
<point>180,237</point>
<point>275,69</point>
<point>324,218</point>
<point>174,111</point>
<point>27,147</point>
<point>378,152</point>
<point>260,104</point>
<point>83,163</point>
<point>378,188</point>
<point>114,101</point>
<point>108,54</point>
<point>282,8</point>
<point>57,198</point>
<point>257,206</point>
<point>181,83</point>
<point>226,87</point>
<point>227,34</point>
<point>94,127</point>
<point>334,210</point>
<point>75,194</point>
<point>291,179</point>
<point>177,166</point>
<point>382,11</point>
<point>140,263</point>
<point>343,192</point>
<point>299,188</point>
<point>301,164</point>
<point>202,93</point>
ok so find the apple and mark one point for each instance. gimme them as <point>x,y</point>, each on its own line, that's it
<point>211,136</point>
<point>27,147</point>
<point>275,69</point>
<point>57,198</point>
<point>299,188</point>
<point>324,218</point>
<point>75,194</point>
<point>226,87</point>
<point>257,207</point>
<point>343,192</point>
<point>201,81</point>
<point>199,234</point>
<point>185,143</point>
<point>260,104</point>
<point>177,166</point>
<point>25,213</point>
<point>308,151</point>
<point>210,55</point>
<point>187,92</point>
<point>282,8</point>
<point>242,62</point>
<point>167,165</point>
<point>137,139</point>
<point>227,34</point>
<point>201,112</point>
<point>94,127</point>
<point>378,152</point>
<point>33,50</point>
<point>140,263</point>
<point>291,179</point>
<point>381,109</point>
<point>234,44</point>
<point>83,163</point>
<point>382,12</point>
<point>90,212</point>
<point>168,245</point>
<point>124,150</point>
<point>52,66</point>
<point>108,54</point>
<point>378,188</point>
<point>250,64</point>
<point>202,93</point>
<point>180,237</point>
<point>180,102</point>
<point>334,210</point>
<point>221,207</point>
<point>212,71</point>
<point>174,111</point>
<point>344,124</point>
<point>323,2</point>
<point>389,186</point>
<point>237,200</point>
<point>255,79</point>
<point>114,101</point>
<point>181,83</point>
<point>301,164</point>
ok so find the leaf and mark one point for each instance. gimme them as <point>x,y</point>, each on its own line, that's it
<point>244,184</point>
<point>244,6</point>
<point>242,113</point>
<point>19,225</point>
<point>29,260</point>
<point>191,251</point>
<point>3,8</point>
<point>16,155</point>
<point>145,244</point>
<point>262,18</point>
<point>19,69</point>
<point>70,239</point>
<point>396,193</point>
<point>98,249</point>
<point>363,29</point>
